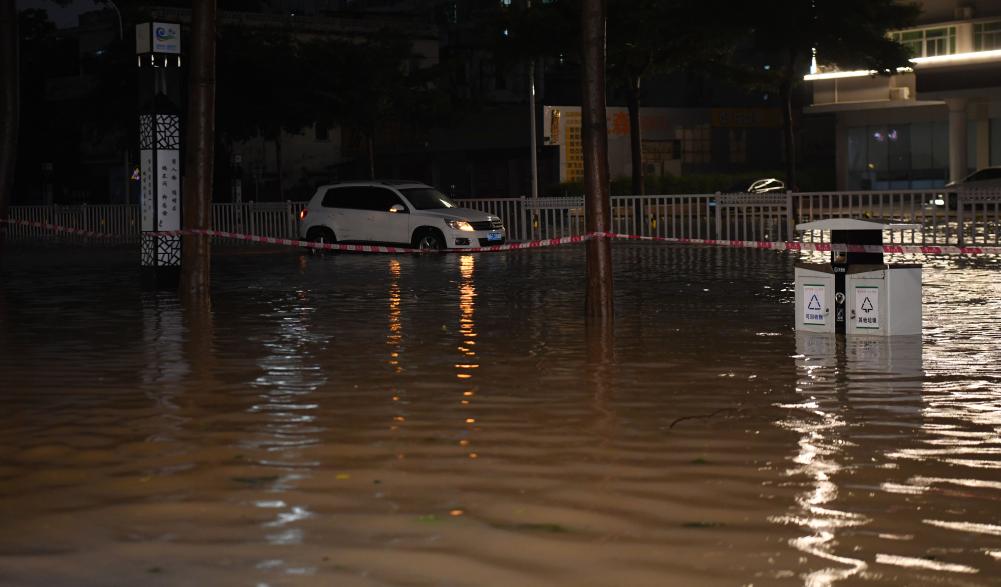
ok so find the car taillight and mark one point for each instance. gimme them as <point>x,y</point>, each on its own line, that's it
<point>303,213</point>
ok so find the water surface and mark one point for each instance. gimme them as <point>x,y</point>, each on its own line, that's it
<point>398,420</point>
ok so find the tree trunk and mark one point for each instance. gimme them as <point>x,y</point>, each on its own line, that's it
<point>635,134</point>
<point>594,131</point>
<point>9,107</point>
<point>200,162</point>
<point>788,128</point>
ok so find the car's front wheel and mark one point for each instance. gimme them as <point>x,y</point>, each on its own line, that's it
<point>429,240</point>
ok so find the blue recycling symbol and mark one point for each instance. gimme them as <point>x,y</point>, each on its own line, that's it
<point>814,303</point>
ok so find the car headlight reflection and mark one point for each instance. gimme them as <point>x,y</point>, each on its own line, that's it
<point>460,225</point>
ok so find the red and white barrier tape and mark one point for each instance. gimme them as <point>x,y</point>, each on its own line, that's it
<point>550,242</point>
<point>819,247</point>
<point>59,228</point>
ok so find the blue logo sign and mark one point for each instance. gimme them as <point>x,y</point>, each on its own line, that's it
<point>164,34</point>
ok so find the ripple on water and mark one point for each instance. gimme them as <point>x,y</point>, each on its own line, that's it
<point>376,420</point>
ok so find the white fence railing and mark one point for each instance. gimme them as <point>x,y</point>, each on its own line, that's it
<point>945,218</point>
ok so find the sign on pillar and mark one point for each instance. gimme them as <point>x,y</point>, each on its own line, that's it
<point>158,48</point>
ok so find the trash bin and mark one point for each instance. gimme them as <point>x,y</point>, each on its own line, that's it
<point>857,293</point>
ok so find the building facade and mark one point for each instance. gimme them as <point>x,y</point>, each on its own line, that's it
<point>933,122</point>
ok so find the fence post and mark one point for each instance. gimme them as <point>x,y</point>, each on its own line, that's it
<point>791,217</point>
<point>719,218</point>
<point>289,220</point>
<point>960,221</point>
<point>526,220</point>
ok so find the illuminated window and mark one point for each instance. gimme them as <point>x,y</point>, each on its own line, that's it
<point>928,42</point>
<point>987,35</point>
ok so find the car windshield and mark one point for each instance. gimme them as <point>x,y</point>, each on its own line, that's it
<point>427,199</point>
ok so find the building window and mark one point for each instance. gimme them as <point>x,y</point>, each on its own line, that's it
<point>696,144</point>
<point>928,42</point>
<point>904,156</point>
<point>987,36</point>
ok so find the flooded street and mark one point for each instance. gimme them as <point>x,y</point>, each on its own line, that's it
<point>400,420</point>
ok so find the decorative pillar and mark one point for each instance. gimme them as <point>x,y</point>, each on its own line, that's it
<point>957,138</point>
<point>158,49</point>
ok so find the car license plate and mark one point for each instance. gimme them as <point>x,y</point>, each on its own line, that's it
<point>494,236</point>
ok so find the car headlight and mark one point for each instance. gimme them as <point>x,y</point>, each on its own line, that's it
<point>460,225</point>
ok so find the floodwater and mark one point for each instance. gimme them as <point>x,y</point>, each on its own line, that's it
<point>398,420</point>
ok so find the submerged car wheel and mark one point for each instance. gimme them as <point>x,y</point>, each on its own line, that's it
<point>429,240</point>
<point>321,235</point>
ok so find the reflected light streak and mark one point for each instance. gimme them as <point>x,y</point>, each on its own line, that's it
<point>394,337</point>
<point>820,446</point>
<point>466,366</point>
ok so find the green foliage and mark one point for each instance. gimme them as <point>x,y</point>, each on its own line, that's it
<point>518,33</point>
<point>650,36</point>
<point>698,183</point>
<point>702,183</point>
<point>270,80</point>
<point>851,34</point>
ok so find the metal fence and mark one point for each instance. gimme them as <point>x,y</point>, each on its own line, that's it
<point>979,218</point>
<point>935,211</point>
<point>944,217</point>
<point>119,222</point>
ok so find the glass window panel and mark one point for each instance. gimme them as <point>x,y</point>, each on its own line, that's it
<point>877,149</point>
<point>856,148</point>
<point>940,145</point>
<point>921,145</point>
<point>898,139</point>
<point>987,36</point>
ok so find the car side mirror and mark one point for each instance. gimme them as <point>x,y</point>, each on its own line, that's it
<point>397,208</point>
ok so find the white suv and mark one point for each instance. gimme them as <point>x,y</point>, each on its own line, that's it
<point>395,213</point>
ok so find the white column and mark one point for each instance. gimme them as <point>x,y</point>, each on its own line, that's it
<point>957,138</point>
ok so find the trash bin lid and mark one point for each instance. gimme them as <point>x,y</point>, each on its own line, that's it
<point>855,224</point>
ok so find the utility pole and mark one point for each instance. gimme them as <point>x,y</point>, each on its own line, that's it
<point>532,144</point>
<point>9,106</point>
<point>201,151</point>
<point>531,114</point>
<point>594,135</point>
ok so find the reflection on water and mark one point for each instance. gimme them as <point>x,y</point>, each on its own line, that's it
<point>870,423</point>
<point>368,420</point>
<point>840,380</point>
<point>465,369</point>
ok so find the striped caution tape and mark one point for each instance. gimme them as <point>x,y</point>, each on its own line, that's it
<point>550,242</point>
<point>818,247</point>
<point>62,229</point>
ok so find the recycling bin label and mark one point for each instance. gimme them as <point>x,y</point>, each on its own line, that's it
<point>814,306</point>
<point>867,307</point>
